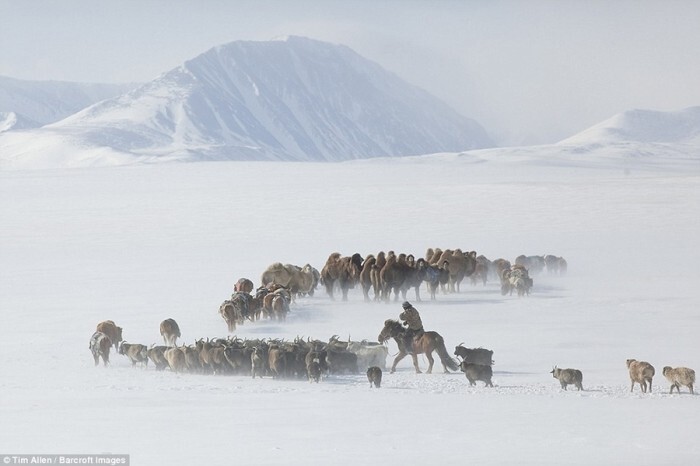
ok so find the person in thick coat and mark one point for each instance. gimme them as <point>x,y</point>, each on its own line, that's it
<point>410,317</point>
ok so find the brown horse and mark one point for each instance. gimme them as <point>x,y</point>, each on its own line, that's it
<point>426,343</point>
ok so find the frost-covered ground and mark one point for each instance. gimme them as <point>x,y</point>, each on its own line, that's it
<point>141,244</point>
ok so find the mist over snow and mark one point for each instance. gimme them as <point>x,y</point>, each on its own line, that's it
<point>294,99</point>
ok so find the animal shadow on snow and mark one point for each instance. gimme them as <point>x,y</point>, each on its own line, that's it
<point>344,379</point>
<point>466,301</point>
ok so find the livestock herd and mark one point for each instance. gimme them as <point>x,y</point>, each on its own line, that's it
<point>276,358</point>
<point>379,274</point>
<point>385,273</point>
<point>314,359</point>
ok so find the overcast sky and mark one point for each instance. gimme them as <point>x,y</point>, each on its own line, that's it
<point>530,71</point>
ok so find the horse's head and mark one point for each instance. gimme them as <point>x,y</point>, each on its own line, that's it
<point>391,329</point>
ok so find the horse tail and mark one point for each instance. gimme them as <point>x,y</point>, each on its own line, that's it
<point>444,355</point>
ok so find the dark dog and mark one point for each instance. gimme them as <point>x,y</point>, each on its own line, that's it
<point>374,375</point>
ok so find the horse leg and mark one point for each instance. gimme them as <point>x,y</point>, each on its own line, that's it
<point>415,362</point>
<point>398,358</point>
<point>431,361</point>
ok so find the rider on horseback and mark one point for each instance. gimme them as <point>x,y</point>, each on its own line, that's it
<point>411,319</point>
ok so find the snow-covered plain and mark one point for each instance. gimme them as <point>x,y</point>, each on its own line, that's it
<point>141,244</point>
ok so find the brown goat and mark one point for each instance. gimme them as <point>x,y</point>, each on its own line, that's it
<point>176,359</point>
<point>257,362</point>
<point>277,361</point>
<point>191,359</point>
<point>135,353</point>
<point>157,355</point>
<point>568,377</point>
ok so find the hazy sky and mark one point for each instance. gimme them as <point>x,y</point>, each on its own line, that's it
<point>530,71</point>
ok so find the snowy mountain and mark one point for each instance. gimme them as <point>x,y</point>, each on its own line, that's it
<point>293,99</point>
<point>644,126</point>
<point>37,103</point>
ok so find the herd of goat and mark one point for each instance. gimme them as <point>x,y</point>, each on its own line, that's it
<point>276,358</point>
<point>312,359</point>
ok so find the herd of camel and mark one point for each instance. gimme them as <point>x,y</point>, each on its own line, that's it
<point>386,273</point>
<point>379,276</point>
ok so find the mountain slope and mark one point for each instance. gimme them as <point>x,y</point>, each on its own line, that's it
<point>296,99</point>
<point>37,103</point>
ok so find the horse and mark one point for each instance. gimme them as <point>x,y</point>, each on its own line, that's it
<point>426,343</point>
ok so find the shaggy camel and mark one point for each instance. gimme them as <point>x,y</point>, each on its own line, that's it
<point>341,271</point>
<point>460,265</point>
<point>366,275</point>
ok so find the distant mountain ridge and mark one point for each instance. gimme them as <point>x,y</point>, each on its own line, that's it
<point>644,126</point>
<point>296,99</point>
<point>37,103</point>
<point>299,99</point>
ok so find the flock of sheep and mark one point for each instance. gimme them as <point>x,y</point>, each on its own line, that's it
<point>641,372</point>
<point>382,274</point>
